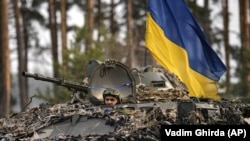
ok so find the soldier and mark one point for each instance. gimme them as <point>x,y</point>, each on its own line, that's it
<point>111,96</point>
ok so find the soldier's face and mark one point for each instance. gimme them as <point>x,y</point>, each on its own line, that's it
<point>110,100</point>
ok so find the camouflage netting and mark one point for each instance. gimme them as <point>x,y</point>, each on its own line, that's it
<point>162,100</point>
<point>130,122</point>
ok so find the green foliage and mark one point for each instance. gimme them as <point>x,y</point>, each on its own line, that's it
<point>76,60</point>
<point>58,95</point>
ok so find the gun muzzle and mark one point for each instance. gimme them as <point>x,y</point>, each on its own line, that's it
<point>27,74</point>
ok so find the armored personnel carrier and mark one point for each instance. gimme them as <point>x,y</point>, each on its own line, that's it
<point>150,97</point>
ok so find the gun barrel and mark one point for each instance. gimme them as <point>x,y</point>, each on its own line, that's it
<point>73,86</point>
<point>41,77</point>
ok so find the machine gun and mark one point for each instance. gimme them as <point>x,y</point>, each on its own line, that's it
<point>72,86</point>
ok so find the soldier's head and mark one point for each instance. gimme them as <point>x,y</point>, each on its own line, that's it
<point>111,96</point>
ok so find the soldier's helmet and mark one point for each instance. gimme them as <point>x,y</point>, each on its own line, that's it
<point>112,92</point>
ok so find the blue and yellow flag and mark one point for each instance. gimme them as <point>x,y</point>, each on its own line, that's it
<point>177,43</point>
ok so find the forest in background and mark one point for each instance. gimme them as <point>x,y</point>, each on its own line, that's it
<point>100,38</point>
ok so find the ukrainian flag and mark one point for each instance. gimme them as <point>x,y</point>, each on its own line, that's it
<point>177,43</point>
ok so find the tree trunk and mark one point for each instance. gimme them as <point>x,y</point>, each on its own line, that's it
<point>226,42</point>
<point>112,17</point>
<point>99,19</point>
<point>207,22</point>
<point>25,25</point>
<point>5,80</point>
<point>90,23</point>
<point>244,30</point>
<point>195,9</point>
<point>64,34</point>
<point>53,34</point>
<point>130,45</point>
<point>23,88</point>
